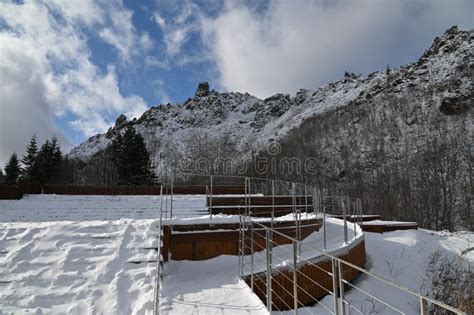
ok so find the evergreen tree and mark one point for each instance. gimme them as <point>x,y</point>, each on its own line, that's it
<point>2,177</point>
<point>131,158</point>
<point>66,175</point>
<point>57,155</point>
<point>44,163</point>
<point>29,160</point>
<point>12,170</point>
<point>56,159</point>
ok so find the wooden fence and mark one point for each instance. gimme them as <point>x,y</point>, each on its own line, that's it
<point>200,242</point>
<point>307,291</point>
<point>10,192</point>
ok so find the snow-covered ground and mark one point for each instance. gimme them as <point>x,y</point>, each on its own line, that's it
<point>73,267</point>
<point>40,208</point>
<point>401,257</point>
<point>207,287</point>
<point>95,255</point>
<point>79,254</point>
<point>388,223</point>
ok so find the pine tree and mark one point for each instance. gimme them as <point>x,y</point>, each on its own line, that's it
<point>57,155</point>
<point>56,159</point>
<point>44,163</point>
<point>2,177</point>
<point>131,158</point>
<point>29,160</point>
<point>12,170</point>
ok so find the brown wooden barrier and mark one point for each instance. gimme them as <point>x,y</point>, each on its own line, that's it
<point>364,218</point>
<point>388,227</point>
<point>236,226</point>
<point>208,244</point>
<point>259,200</point>
<point>260,206</point>
<point>258,211</point>
<point>29,187</point>
<point>10,192</point>
<point>307,292</point>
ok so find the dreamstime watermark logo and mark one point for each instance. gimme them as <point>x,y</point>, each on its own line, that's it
<point>271,161</point>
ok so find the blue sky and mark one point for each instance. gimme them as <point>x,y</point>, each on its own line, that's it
<point>70,68</point>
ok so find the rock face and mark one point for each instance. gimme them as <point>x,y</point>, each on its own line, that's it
<point>121,120</point>
<point>202,89</point>
<point>354,127</point>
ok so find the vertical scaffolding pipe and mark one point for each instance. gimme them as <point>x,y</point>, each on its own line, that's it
<point>295,213</point>
<point>344,214</point>
<point>334,286</point>
<point>251,255</point>
<point>423,306</point>
<point>240,247</point>
<point>245,197</point>
<point>295,277</point>
<point>268,234</point>
<point>306,201</point>
<point>159,275</point>
<point>171,200</point>
<point>210,199</point>
<point>293,199</point>
<point>249,191</point>
<point>341,287</point>
<point>160,232</point>
<point>324,221</point>
<point>166,203</point>
<point>354,217</point>
<point>273,202</point>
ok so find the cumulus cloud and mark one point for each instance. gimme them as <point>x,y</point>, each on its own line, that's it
<point>46,69</point>
<point>303,44</point>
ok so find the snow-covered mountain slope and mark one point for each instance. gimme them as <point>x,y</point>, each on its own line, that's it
<point>444,61</point>
<point>236,124</point>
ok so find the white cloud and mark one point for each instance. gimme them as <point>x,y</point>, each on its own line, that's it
<point>296,44</point>
<point>46,69</point>
<point>159,20</point>
<point>146,42</point>
<point>176,32</point>
<point>23,106</point>
<point>120,32</point>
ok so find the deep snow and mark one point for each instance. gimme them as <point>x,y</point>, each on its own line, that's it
<point>74,267</point>
<point>401,257</point>
<point>79,257</point>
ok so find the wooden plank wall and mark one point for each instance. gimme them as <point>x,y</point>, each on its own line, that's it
<point>208,244</point>
<point>381,228</point>
<point>259,200</point>
<point>308,292</point>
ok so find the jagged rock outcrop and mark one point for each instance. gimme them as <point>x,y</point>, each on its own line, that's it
<point>202,89</point>
<point>121,121</point>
